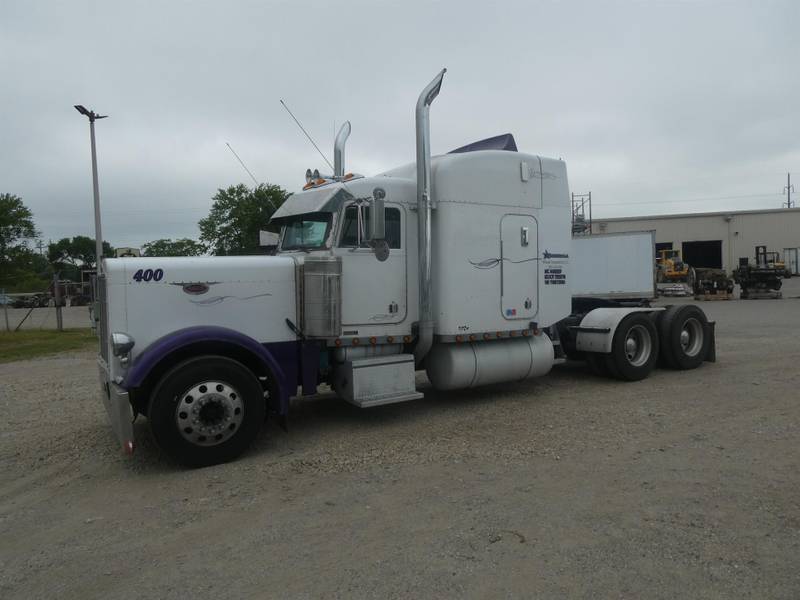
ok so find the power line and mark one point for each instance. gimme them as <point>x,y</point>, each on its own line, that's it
<point>710,198</point>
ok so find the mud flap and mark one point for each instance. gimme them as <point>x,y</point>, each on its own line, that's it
<point>711,355</point>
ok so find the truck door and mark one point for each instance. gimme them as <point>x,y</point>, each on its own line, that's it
<point>519,281</point>
<point>373,292</point>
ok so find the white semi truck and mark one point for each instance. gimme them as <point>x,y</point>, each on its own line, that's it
<point>458,265</point>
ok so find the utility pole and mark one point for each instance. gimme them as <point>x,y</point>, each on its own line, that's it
<point>40,246</point>
<point>5,308</point>
<point>788,189</point>
<point>98,235</point>
<point>57,301</point>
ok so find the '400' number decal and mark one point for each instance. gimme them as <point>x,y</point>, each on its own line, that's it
<point>148,275</point>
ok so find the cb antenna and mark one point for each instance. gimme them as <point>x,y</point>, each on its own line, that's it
<point>255,181</point>
<point>313,143</point>
<point>241,162</point>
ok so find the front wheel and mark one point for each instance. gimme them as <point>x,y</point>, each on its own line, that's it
<point>206,410</point>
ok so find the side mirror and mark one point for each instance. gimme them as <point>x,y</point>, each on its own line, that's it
<point>377,225</point>
<point>377,215</point>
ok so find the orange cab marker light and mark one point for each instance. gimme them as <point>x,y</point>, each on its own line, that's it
<point>390,339</point>
<point>458,339</point>
<point>536,331</point>
<point>486,336</point>
<point>525,332</point>
<point>511,333</point>
<point>338,342</point>
<point>407,338</point>
<point>471,338</point>
<point>373,340</point>
<point>499,334</point>
<point>356,341</point>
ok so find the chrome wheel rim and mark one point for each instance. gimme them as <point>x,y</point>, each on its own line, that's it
<point>691,337</point>
<point>209,413</point>
<point>638,345</point>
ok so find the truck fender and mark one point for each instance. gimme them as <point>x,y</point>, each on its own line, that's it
<point>596,330</point>
<point>165,346</point>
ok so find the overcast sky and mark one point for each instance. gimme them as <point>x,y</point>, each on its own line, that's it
<point>655,106</point>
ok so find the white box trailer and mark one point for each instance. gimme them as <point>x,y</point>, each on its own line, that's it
<point>461,265</point>
<point>619,266</point>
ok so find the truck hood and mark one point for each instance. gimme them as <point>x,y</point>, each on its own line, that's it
<point>151,297</point>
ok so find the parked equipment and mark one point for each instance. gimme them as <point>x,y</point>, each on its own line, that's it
<point>776,262</point>
<point>674,277</point>
<point>462,266</point>
<point>712,284</point>
<point>761,279</point>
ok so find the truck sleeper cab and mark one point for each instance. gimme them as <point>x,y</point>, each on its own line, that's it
<point>457,265</point>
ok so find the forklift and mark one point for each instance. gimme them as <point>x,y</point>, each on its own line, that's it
<point>761,280</point>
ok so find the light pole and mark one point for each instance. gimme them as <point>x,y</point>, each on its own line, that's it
<point>98,234</point>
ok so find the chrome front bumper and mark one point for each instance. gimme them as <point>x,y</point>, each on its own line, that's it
<point>118,406</point>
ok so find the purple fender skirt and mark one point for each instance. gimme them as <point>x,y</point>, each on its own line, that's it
<point>292,363</point>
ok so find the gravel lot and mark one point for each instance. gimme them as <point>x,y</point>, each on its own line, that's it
<point>685,485</point>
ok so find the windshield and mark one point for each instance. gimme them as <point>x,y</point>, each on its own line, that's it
<point>305,231</point>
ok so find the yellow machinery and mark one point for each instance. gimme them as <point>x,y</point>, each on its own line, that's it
<point>673,276</point>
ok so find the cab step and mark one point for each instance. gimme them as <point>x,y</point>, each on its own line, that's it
<point>378,380</point>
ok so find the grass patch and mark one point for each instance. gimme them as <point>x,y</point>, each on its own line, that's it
<point>21,345</point>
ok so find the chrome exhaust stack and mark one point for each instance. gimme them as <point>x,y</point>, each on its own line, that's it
<point>338,149</point>
<point>425,326</point>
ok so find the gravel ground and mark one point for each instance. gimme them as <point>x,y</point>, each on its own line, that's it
<point>685,485</point>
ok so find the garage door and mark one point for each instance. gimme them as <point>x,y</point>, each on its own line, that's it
<point>706,254</point>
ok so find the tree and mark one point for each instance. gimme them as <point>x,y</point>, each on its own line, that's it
<point>166,247</point>
<point>236,217</point>
<point>21,269</point>
<point>76,252</point>
<point>16,224</point>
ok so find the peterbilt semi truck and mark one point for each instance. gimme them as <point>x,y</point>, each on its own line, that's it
<point>457,265</point>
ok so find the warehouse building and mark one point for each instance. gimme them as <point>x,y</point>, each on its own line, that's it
<point>719,239</point>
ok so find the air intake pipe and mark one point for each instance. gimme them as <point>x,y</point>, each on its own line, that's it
<point>425,325</point>
<point>338,149</point>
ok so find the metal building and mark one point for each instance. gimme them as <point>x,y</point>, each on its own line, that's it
<point>718,239</point>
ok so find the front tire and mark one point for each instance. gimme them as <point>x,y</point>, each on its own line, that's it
<point>207,410</point>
